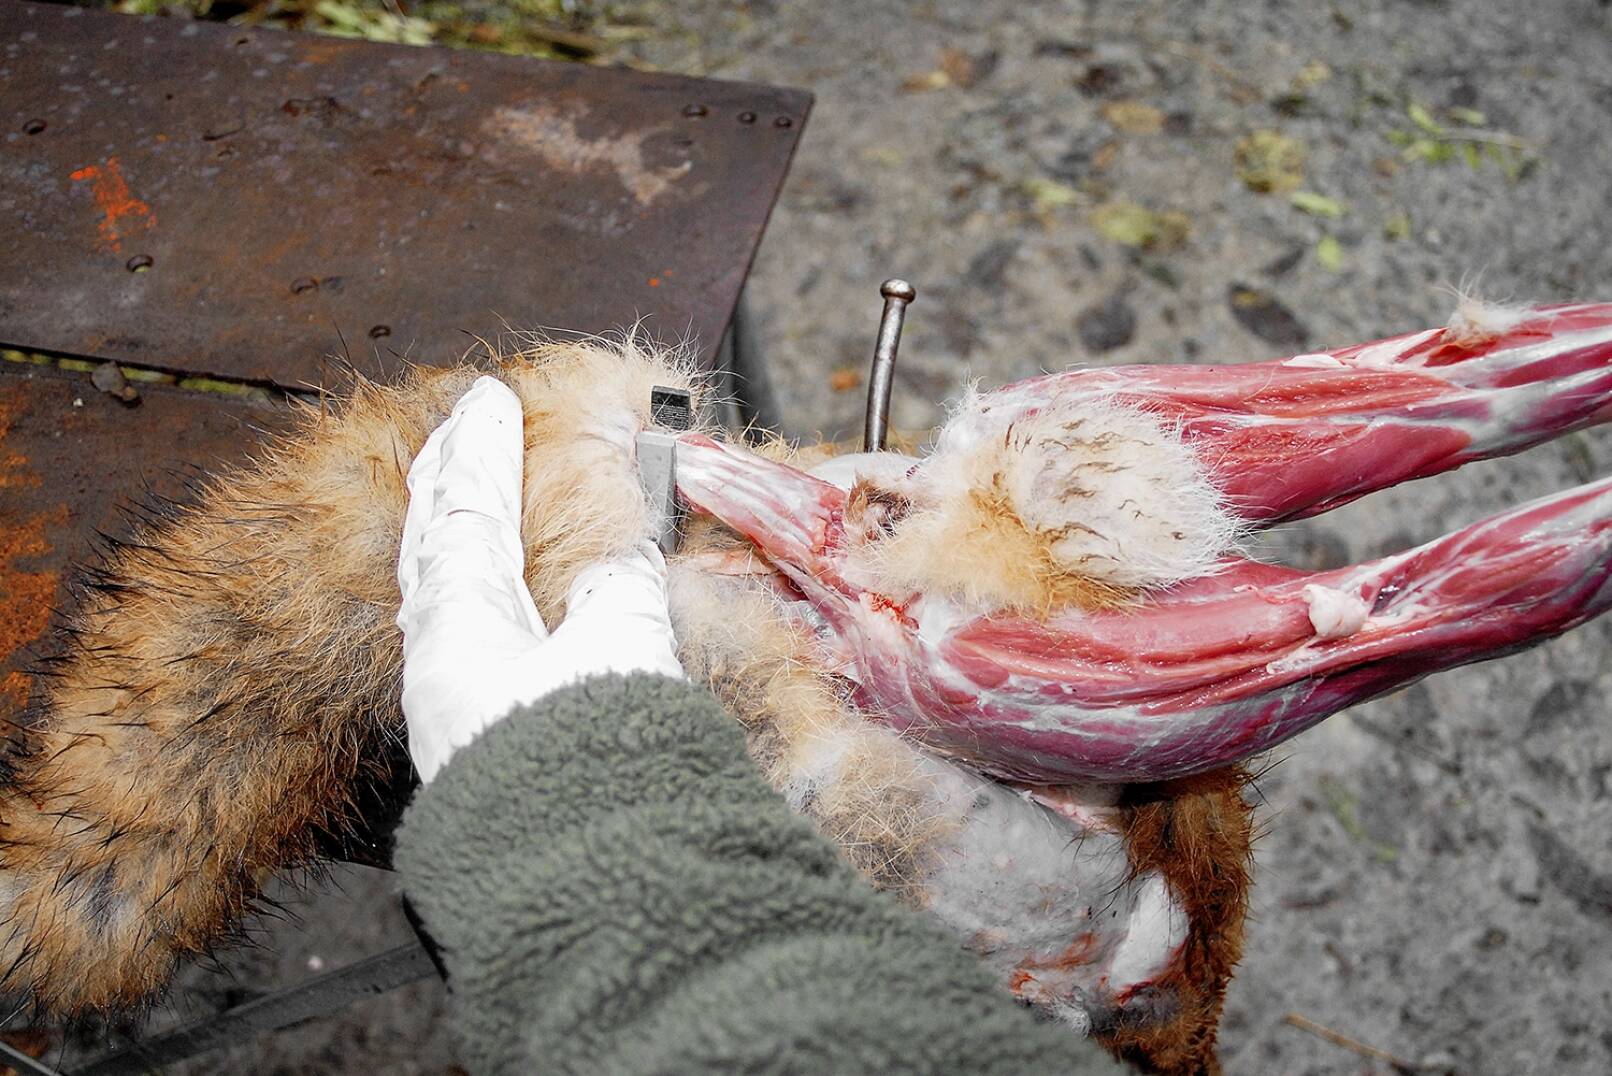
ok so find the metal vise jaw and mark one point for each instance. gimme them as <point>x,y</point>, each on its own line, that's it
<point>672,412</point>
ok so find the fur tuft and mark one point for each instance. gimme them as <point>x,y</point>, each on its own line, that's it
<point>1082,503</point>
<point>1477,321</point>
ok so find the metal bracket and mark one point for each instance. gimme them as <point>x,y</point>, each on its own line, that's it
<point>673,411</point>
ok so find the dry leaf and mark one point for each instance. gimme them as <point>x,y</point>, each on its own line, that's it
<point>1133,117</point>
<point>845,379</point>
<point>1312,74</point>
<point>928,80</point>
<point>883,155</point>
<point>959,67</point>
<point>1048,194</point>
<point>1137,226</point>
<point>1317,205</point>
<point>1329,252</point>
<point>1270,162</point>
<point>108,377</point>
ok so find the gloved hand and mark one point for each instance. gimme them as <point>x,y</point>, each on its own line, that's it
<point>474,646</point>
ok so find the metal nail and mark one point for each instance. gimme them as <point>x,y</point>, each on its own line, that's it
<point>897,294</point>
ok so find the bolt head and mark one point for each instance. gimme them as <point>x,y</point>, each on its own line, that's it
<point>896,288</point>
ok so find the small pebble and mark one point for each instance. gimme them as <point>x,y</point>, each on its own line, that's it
<point>1262,314</point>
<point>1106,325</point>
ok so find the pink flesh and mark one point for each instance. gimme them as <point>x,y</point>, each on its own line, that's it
<point>1229,665</point>
<point>1291,438</point>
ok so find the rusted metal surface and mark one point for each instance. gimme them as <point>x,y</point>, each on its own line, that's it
<point>69,456</point>
<point>73,461</point>
<point>202,197</point>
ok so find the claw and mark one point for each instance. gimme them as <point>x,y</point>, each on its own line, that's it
<point>1298,436</point>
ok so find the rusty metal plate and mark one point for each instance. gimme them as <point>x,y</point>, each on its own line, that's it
<point>69,456</point>
<point>203,197</point>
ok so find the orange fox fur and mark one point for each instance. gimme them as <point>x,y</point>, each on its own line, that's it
<point>229,685</point>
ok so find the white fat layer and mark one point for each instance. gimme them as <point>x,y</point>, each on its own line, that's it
<point>1317,361</point>
<point>1158,926</point>
<point>1335,614</point>
<point>1387,354</point>
<point>938,616</point>
<point>881,468</point>
<point>1119,495</point>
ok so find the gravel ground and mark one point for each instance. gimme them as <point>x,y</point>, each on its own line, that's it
<point>1062,183</point>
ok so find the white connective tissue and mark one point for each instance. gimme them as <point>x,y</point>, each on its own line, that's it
<point>1333,613</point>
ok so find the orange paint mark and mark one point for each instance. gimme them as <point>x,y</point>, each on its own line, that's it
<point>845,379</point>
<point>13,473</point>
<point>13,466</point>
<point>122,214</point>
<point>322,52</point>
<point>27,539</point>
<point>26,597</point>
<point>25,609</point>
<point>654,281</point>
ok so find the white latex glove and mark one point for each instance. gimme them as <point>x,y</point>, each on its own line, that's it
<point>474,645</point>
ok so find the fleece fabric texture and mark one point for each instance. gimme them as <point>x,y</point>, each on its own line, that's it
<point>616,890</point>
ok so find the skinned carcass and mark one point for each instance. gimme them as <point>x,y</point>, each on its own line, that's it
<point>1014,679</point>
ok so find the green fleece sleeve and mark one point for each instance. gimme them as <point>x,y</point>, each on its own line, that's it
<point>616,890</point>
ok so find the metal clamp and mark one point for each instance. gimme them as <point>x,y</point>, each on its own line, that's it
<point>672,410</point>
<point>897,294</point>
